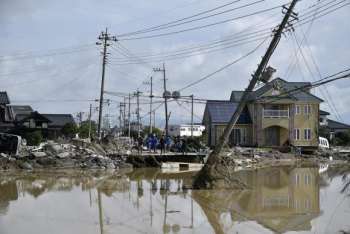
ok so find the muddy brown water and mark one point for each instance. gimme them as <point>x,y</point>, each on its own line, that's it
<point>284,199</point>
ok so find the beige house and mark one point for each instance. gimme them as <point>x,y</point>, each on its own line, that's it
<point>278,113</point>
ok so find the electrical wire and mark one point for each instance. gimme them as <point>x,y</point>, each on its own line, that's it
<point>202,26</point>
<point>195,53</point>
<point>222,68</point>
<point>56,52</point>
<point>331,104</point>
<point>175,23</point>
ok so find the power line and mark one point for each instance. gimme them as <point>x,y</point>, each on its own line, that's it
<point>179,22</point>
<point>224,67</point>
<point>199,51</point>
<point>331,104</point>
<point>55,52</point>
<point>132,60</point>
<point>317,83</point>
<point>194,53</point>
<point>203,26</point>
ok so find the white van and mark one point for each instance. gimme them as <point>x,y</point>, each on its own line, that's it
<point>323,143</point>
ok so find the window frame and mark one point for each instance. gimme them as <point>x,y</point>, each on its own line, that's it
<point>296,134</point>
<point>307,109</point>
<point>307,134</point>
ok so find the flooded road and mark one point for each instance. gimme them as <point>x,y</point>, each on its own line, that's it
<point>286,199</point>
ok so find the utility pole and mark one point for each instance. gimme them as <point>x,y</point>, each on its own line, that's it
<point>138,111</point>
<point>129,105</point>
<point>80,117</point>
<point>104,38</point>
<point>150,107</point>
<point>165,96</point>
<point>120,115</point>
<point>124,114</point>
<point>192,115</point>
<point>213,157</point>
<point>90,113</point>
<point>151,103</point>
<point>154,118</point>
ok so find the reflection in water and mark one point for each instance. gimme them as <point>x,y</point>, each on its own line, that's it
<point>281,199</point>
<point>278,199</point>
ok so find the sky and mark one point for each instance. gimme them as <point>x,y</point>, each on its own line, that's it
<point>49,59</point>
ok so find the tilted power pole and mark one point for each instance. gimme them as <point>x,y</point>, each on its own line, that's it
<point>104,38</point>
<point>255,78</point>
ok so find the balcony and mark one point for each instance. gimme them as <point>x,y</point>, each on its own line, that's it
<point>275,113</point>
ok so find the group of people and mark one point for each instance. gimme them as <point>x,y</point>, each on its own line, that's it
<point>164,143</point>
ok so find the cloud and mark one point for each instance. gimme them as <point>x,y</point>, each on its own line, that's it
<point>39,26</point>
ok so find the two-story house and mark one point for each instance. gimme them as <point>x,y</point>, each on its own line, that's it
<point>278,113</point>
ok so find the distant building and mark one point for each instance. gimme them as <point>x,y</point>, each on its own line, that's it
<point>332,126</point>
<point>57,122</point>
<point>274,116</point>
<point>34,120</point>
<point>6,122</point>
<point>185,130</point>
<point>14,118</point>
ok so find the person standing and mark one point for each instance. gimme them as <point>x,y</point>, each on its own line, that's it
<point>184,146</point>
<point>167,143</point>
<point>154,143</point>
<point>162,145</point>
<point>140,144</point>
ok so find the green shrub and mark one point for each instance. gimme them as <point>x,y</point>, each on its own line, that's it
<point>34,138</point>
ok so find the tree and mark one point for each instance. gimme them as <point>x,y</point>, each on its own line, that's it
<point>84,129</point>
<point>69,129</point>
<point>342,138</point>
<point>33,138</point>
<point>156,131</point>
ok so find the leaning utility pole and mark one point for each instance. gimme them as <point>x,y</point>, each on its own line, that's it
<point>104,38</point>
<point>165,96</point>
<point>213,157</point>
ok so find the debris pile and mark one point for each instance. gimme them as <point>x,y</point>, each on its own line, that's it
<point>75,154</point>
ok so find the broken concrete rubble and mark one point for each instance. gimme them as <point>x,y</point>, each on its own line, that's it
<point>39,154</point>
<point>75,154</point>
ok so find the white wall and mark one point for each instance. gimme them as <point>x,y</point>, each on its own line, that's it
<point>185,130</point>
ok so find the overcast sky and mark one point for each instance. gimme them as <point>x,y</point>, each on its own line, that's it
<point>49,60</point>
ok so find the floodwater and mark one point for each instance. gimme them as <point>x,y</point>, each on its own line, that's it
<point>288,199</point>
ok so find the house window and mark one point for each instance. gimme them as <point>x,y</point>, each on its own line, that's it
<point>297,179</point>
<point>307,179</point>
<point>296,134</point>
<point>297,109</point>
<point>307,109</point>
<point>32,123</point>
<point>307,134</point>
<point>244,136</point>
